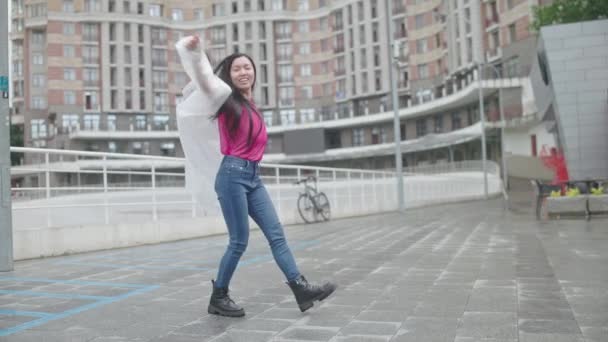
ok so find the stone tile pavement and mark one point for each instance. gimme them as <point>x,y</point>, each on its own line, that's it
<point>464,273</point>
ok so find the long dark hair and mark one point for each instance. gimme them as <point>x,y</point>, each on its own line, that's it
<point>235,103</point>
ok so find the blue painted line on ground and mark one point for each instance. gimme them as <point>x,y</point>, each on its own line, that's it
<point>51,295</point>
<point>74,282</point>
<point>25,313</point>
<point>101,301</point>
<point>132,267</point>
<point>45,318</point>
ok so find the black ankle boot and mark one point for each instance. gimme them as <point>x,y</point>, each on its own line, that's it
<point>306,293</point>
<point>221,304</point>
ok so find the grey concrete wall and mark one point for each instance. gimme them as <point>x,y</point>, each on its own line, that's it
<point>577,58</point>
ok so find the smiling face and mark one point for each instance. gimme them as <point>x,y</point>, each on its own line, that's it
<point>242,74</point>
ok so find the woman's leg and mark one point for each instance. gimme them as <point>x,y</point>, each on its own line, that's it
<point>263,213</point>
<point>233,201</point>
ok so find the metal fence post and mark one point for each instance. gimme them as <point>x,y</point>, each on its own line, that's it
<point>277,177</point>
<point>374,190</point>
<point>47,185</point>
<point>350,192</point>
<point>105,191</point>
<point>154,206</point>
<point>335,187</point>
<point>362,191</point>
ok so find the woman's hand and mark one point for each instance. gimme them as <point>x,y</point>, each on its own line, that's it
<point>193,43</point>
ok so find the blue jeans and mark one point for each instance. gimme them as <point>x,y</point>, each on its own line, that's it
<point>241,194</point>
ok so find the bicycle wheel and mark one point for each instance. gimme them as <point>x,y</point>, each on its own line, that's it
<point>306,208</point>
<point>323,206</point>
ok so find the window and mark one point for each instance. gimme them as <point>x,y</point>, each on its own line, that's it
<point>302,5</point>
<point>456,121</point>
<point>306,92</point>
<point>111,6</point>
<point>37,59</point>
<point>307,115</point>
<point>70,122</point>
<point>69,29</point>
<point>161,102</point>
<point>378,135</point>
<point>218,10</point>
<point>199,14</point>
<point>38,80</point>
<point>277,5</point>
<point>423,71</point>
<point>286,95</point>
<point>91,122</point>
<point>160,122</point>
<point>438,123</point>
<point>68,6</point>
<point>69,51</point>
<point>167,149</point>
<point>285,73</point>
<point>90,54</point>
<point>235,7</point>
<point>419,21</point>
<point>177,14</point>
<point>304,48</point>
<point>112,31</point>
<point>127,54</point>
<point>421,46</point>
<point>38,38</point>
<point>358,137</point>
<point>127,32</point>
<point>284,51</point>
<point>90,32</point>
<point>288,116</point>
<point>128,79</point>
<point>69,74</point>
<point>283,30</point>
<point>155,10</point>
<point>140,122</point>
<point>126,6</point>
<point>92,5</point>
<point>90,100</point>
<point>112,147</point>
<point>268,117</point>
<point>303,27</point>
<point>159,79</point>
<point>512,33</point>
<point>38,128</point>
<point>218,35</point>
<point>420,128</point>
<point>69,97</point>
<point>305,70</point>
<point>111,120</point>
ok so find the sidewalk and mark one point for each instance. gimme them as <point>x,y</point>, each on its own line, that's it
<point>462,273</point>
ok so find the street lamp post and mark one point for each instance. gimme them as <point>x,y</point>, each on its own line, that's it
<point>392,62</point>
<point>6,226</point>
<point>482,118</point>
<point>503,125</point>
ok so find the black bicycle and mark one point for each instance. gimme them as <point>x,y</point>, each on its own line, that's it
<point>313,205</point>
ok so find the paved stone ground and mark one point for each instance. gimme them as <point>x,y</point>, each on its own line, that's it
<point>464,273</point>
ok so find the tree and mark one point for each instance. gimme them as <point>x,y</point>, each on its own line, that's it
<point>569,11</point>
<point>16,140</point>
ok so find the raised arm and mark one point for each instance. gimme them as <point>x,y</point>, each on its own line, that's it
<point>197,66</point>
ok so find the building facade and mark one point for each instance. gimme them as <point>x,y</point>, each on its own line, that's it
<point>103,75</point>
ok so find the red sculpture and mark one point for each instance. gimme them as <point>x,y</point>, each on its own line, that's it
<point>555,161</point>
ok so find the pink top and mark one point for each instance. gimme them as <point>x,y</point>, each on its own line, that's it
<point>237,146</point>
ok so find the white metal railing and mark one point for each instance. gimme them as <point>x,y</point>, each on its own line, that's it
<point>66,188</point>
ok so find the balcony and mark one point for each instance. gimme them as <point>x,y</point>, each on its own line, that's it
<point>493,54</point>
<point>166,130</point>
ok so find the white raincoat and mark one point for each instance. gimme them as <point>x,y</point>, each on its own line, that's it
<point>199,136</point>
